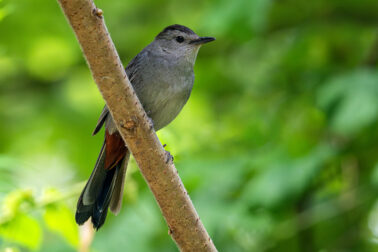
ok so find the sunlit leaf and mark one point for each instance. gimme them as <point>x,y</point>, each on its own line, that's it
<point>60,219</point>
<point>10,249</point>
<point>15,199</point>
<point>50,58</point>
<point>24,230</point>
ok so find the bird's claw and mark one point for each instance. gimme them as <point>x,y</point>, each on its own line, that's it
<point>151,123</point>
<point>169,157</point>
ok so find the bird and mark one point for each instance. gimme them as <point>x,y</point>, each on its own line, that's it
<point>162,76</point>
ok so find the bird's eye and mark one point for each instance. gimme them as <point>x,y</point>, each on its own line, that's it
<point>180,39</point>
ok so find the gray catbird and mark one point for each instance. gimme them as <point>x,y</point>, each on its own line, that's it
<point>162,77</point>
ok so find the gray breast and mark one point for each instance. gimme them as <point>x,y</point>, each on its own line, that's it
<point>163,85</point>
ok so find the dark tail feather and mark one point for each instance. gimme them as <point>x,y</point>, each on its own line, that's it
<point>100,209</point>
<point>97,193</point>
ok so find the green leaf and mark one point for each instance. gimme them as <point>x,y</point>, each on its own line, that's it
<point>15,199</point>
<point>60,219</point>
<point>284,180</point>
<point>352,101</point>
<point>374,176</point>
<point>24,230</point>
<point>47,48</point>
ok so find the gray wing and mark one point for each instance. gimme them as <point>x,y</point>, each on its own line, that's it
<point>133,68</point>
<point>101,120</point>
<point>132,73</point>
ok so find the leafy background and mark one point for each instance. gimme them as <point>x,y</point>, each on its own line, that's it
<point>277,146</point>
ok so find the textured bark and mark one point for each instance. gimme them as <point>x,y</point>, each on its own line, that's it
<point>184,224</point>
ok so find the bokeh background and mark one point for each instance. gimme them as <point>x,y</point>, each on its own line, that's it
<point>277,146</point>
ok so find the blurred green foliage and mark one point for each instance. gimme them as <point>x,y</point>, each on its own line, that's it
<point>277,146</point>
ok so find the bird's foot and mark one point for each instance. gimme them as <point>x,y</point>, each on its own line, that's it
<point>150,122</point>
<point>169,157</point>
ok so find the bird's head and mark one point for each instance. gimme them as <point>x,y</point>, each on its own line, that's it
<point>181,41</point>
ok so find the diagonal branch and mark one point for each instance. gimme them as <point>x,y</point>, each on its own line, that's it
<point>184,224</point>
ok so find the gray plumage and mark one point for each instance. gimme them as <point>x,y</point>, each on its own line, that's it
<point>162,77</point>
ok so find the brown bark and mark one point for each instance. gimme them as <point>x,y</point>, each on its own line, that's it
<point>184,224</point>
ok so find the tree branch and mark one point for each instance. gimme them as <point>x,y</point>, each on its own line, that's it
<point>134,126</point>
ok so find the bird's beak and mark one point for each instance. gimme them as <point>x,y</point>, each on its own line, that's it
<point>202,40</point>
